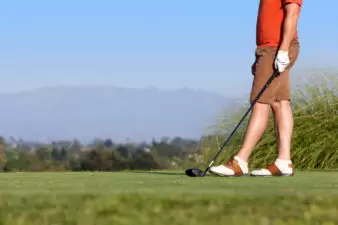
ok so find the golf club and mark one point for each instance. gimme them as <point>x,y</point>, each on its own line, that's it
<point>195,172</point>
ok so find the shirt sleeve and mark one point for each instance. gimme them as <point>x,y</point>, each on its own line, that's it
<point>299,2</point>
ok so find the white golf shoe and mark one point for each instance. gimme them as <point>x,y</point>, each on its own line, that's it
<point>277,168</point>
<point>236,167</point>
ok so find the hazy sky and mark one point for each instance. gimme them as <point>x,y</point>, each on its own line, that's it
<point>168,44</point>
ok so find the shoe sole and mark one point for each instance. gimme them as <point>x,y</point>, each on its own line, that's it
<point>222,175</point>
<point>245,175</point>
<point>276,175</point>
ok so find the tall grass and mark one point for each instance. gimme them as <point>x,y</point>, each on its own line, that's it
<point>315,136</point>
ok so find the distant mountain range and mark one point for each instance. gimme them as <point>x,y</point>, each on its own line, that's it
<point>86,113</point>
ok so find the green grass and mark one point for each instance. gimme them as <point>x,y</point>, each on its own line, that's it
<point>167,198</point>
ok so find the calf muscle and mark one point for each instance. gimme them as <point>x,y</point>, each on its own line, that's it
<point>283,120</point>
<point>257,125</point>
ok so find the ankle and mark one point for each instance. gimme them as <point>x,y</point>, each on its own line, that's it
<point>241,160</point>
<point>242,157</point>
<point>284,160</point>
<point>282,163</point>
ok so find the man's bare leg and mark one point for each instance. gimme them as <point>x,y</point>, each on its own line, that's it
<point>257,125</point>
<point>283,119</point>
<point>258,122</point>
<point>284,127</point>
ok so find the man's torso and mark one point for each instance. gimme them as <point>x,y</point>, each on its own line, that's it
<point>269,23</point>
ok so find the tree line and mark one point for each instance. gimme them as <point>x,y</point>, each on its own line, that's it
<point>100,155</point>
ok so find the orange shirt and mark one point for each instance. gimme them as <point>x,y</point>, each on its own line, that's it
<point>270,21</point>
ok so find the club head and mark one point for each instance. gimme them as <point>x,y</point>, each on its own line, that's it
<point>194,172</point>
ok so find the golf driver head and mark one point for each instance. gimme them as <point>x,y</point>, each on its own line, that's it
<point>194,172</point>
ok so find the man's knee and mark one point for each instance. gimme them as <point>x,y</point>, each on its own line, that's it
<point>277,105</point>
<point>261,107</point>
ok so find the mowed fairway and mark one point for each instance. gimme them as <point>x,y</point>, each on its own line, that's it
<point>140,198</point>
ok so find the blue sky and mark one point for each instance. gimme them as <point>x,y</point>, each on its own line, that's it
<point>205,45</point>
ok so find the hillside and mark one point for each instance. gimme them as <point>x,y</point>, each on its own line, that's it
<point>118,113</point>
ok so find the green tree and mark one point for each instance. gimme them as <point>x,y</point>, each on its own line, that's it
<point>3,158</point>
<point>108,143</point>
<point>75,146</point>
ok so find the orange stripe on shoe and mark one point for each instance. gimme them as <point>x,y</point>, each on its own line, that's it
<point>273,169</point>
<point>233,164</point>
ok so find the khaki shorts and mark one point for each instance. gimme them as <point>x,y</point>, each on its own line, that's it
<point>262,70</point>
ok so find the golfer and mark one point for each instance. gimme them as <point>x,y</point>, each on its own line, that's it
<point>277,49</point>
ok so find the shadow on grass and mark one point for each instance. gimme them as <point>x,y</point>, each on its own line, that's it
<point>166,173</point>
<point>161,173</point>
